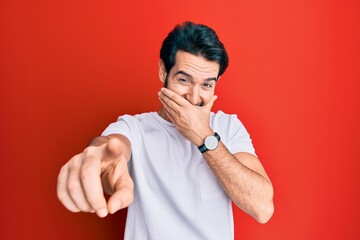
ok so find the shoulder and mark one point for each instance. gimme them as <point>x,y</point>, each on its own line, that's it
<point>232,132</point>
<point>227,124</point>
<point>224,118</point>
<point>137,118</point>
<point>130,125</point>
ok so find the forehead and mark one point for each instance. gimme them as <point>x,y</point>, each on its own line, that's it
<point>195,65</point>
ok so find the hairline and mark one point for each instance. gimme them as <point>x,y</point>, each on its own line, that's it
<point>198,54</point>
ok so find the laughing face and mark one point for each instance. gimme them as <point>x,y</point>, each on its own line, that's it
<point>193,77</point>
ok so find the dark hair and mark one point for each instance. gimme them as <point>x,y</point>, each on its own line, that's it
<point>197,39</point>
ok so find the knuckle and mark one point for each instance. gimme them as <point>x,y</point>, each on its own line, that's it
<point>74,162</point>
<point>74,187</point>
<point>89,160</point>
<point>87,173</point>
<point>61,178</point>
<point>90,151</point>
<point>87,151</point>
<point>63,169</point>
<point>61,195</point>
<point>96,203</point>
<point>86,176</point>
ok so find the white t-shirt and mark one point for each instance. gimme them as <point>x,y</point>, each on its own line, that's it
<point>176,194</point>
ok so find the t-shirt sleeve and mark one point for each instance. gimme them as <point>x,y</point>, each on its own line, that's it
<point>240,140</point>
<point>119,127</point>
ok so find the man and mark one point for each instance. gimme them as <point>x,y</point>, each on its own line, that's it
<point>177,169</point>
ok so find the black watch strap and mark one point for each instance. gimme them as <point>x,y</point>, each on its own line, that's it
<point>203,148</point>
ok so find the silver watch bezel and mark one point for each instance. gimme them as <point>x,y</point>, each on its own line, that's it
<point>211,142</point>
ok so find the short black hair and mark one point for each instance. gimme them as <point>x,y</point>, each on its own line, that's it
<point>197,39</point>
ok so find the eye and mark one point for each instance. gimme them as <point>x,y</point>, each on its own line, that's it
<point>184,80</point>
<point>208,85</point>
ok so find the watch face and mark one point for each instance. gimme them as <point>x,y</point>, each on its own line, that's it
<point>211,142</point>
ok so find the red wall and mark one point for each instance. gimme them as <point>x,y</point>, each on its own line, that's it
<point>69,68</point>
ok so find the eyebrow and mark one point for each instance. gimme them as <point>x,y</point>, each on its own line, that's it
<point>189,76</point>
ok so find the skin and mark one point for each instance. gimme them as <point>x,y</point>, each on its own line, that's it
<point>187,103</point>
<point>101,167</point>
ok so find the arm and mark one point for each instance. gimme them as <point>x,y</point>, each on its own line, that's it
<point>241,175</point>
<point>245,181</point>
<point>102,166</point>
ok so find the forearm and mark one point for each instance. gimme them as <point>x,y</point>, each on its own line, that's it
<point>250,191</point>
<point>243,178</point>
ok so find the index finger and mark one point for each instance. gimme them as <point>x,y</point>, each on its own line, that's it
<point>174,97</point>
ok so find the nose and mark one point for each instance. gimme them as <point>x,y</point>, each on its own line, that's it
<point>193,96</point>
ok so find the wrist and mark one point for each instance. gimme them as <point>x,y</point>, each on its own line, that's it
<point>211,142</point>
<point>200,136</point>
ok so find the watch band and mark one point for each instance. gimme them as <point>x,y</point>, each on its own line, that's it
<point>203,148</point>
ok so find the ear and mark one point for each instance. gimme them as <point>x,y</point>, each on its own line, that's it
<point>162,71</point>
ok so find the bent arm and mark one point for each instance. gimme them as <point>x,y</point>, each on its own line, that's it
<point>245,181</point>
<point>241,175</point>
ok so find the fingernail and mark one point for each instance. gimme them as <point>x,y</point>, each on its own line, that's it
<point>102,212</point>
<point>159,93</point>
<point>115,206</point>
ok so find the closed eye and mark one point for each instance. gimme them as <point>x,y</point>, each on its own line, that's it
<point>183,80</point>
<point>208,85</point>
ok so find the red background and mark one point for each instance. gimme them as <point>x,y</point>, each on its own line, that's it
<point>69,68</point>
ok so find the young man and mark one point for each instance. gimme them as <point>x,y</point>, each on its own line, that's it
<point>177,169</point>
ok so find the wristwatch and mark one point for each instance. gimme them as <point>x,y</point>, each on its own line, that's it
<point>211,142</point>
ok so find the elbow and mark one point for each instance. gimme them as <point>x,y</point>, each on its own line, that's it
<point>262,211</point>
<point>265,215</point>
<point>267,209</point>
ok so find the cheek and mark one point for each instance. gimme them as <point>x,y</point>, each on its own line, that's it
<point>181,90</point>
<point>207,95</point>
